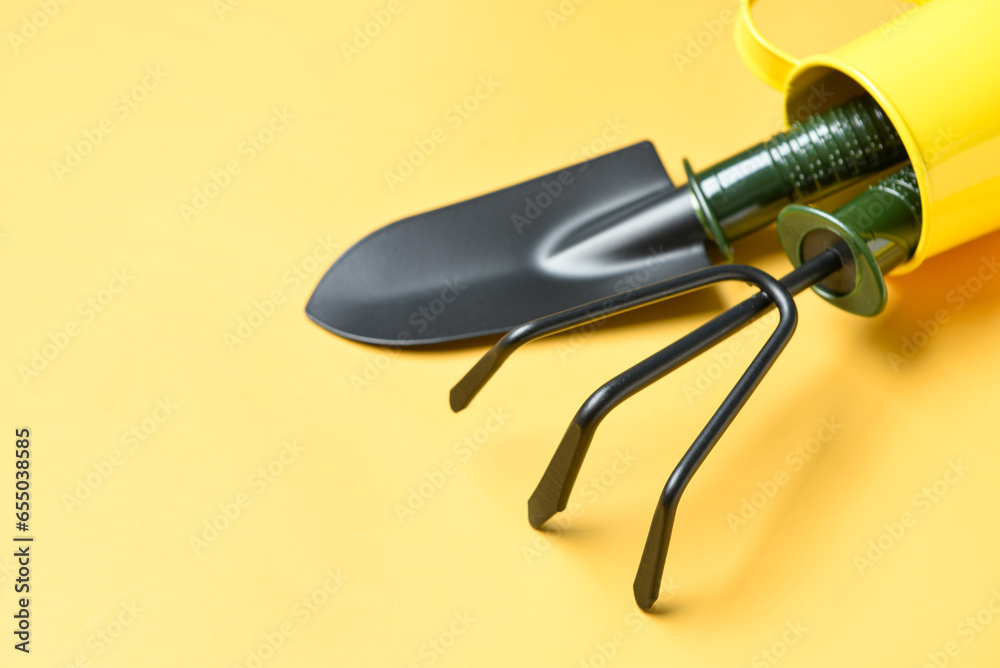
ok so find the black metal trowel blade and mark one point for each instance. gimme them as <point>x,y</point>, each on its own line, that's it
<point>486,265</point>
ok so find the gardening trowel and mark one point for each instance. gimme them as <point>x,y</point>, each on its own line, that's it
<point>592,230</point>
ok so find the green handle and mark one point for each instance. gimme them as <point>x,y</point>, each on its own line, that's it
<point>879,229</point>
<point>809,161</point>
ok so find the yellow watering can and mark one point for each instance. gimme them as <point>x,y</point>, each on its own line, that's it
<point>936,74</point>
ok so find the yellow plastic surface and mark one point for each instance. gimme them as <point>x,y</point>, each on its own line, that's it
<point>934,71</point>
<point>767,60</point>
<point>176,352</point>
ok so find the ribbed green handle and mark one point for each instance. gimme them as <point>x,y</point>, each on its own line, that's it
<point>810,160</point>
<point>889,210</point>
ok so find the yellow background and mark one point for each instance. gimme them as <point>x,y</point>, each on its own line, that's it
<point>372,425</point>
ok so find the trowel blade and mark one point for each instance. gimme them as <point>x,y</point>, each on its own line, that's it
<point>488,264</point>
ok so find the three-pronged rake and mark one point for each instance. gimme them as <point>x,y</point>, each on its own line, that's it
<point>843,256</point>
